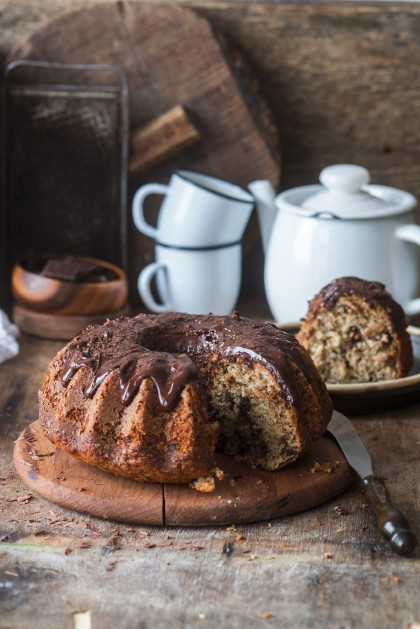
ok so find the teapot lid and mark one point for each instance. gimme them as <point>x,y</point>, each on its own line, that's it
<point>345,193</point>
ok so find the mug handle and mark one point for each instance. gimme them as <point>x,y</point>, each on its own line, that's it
<point>138,216</point>
<point>143,286</point>
<point>410,233</point>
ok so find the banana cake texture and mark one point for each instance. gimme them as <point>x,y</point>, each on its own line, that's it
<point>151,397</point>
<point>356,332</point>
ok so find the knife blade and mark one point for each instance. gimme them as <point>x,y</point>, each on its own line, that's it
<point>393,526</point>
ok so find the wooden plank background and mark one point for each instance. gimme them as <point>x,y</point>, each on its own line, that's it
<point>341,78</point>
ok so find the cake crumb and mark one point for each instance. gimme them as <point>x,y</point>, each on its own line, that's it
<point>328,556</point>
<point>339,510</point>
<point>219,473</point>
<point>202,616</point>
<point>325,467</point>
<point>204,484</point>
<point>266,615</point>
<point>207,484</point>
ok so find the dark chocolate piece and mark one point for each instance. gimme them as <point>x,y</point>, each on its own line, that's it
<point>74,269</point>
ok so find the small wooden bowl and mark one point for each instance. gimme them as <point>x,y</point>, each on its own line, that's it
<point>61,297</point>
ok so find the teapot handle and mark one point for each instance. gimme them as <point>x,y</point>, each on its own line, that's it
<point>264,195</point>
<point>410,233</point>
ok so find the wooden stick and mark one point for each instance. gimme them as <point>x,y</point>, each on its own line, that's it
<point>168,134</point>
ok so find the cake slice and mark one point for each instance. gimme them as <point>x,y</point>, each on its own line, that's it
<point>356,332</point>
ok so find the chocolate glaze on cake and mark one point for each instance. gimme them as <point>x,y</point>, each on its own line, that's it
<point>149,397</point>
<point>373,293</point>
<point>134,348</point>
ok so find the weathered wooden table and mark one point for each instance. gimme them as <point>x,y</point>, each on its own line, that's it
<point>327,567</point>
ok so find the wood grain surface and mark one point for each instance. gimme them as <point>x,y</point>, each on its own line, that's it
<point>340,76</point>
<point>325,567</point>
<point>243,495</point>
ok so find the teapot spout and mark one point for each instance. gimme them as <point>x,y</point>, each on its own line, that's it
<point>264,195</point>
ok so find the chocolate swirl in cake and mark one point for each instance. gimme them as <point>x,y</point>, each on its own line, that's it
<point>162,348</point>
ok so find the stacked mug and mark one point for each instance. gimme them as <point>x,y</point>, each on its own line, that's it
<point>197,243</point>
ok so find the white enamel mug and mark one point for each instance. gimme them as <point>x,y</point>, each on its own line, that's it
<point>193,281</point>
<point>197,211</point>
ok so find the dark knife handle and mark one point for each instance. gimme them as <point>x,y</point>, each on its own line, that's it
<point>392,524</point>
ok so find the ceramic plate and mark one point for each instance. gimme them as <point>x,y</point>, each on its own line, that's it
<point>369,397</point>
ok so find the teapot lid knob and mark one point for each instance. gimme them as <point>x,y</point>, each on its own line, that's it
<point>346,178</point>
<point>345,193</point>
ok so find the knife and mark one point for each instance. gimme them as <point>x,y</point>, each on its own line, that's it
<point>393,526</point>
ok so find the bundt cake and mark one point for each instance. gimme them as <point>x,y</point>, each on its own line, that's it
<point>356,332</point>
<point>149,397</point>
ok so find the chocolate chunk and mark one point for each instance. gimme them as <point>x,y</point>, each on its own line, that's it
<point>73,269</point>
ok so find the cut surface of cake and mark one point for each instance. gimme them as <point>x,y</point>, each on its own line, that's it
<point>151,396</point>
<point>356,332</point>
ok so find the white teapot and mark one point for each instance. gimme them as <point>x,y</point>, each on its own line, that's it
<point>343,226</point>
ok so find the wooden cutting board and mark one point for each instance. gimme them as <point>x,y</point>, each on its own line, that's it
<point>170,57</point>
<point>244,495</point>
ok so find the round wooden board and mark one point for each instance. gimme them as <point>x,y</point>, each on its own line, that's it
<point>59,327</point>
<point>244,495</point>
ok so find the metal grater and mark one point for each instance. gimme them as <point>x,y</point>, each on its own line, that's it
<point>64,162</point>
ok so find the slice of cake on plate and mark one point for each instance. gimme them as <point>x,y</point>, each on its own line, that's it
<point>356,332</point>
